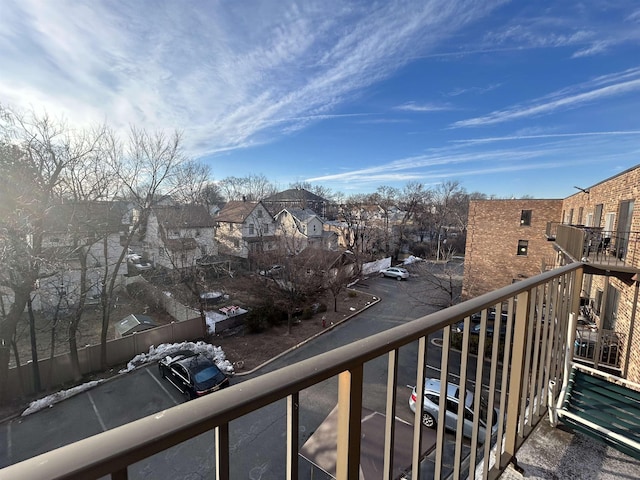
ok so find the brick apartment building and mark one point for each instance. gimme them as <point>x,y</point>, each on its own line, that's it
<point>598,226</point>
<point>506,242</point>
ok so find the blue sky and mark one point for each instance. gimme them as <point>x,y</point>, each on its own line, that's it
<point>507,98</point>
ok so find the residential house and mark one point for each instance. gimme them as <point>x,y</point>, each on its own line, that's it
<point>598,226</point>
<point>300,228</point>
<point>301,199</point>
<point>78,236</point>
<point>178,236</point>
<point>244,228</point>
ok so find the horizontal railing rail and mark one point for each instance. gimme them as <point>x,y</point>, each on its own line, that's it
<point>509,398</point>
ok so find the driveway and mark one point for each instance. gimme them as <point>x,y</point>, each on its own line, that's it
<point>254,454</point>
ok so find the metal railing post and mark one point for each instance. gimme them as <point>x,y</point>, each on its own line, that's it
<point>293,423</point>
<point>517,374</point>
<point>349,423</point>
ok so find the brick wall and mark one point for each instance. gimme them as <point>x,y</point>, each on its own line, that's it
<point>493,232</point>
<point>609,193</point>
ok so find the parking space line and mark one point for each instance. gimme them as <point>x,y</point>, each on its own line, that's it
<point>175,402</point>
<point>9,441</point>
<point>95,409</point>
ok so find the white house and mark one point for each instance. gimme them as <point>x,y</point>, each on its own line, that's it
<point>178,236</point>
<point>244,228</point>
<point>300,228</point>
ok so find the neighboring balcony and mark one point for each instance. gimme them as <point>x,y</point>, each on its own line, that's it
<point>507,373</point>
<point>611,249</point>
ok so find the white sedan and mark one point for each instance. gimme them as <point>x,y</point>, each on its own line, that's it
<point>395,272</point>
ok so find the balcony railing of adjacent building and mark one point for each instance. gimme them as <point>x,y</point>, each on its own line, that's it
<point>596,245</point>
<point>512,374</point>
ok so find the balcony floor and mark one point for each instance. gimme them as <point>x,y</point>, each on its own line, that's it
<point>556,453</point>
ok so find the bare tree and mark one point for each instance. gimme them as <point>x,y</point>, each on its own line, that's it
<point>36,154</point>
<point>251,188</point>
<point>145,168</point>
<point>190,182</point>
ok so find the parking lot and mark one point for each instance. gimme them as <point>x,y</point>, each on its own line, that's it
<point>115,402</point>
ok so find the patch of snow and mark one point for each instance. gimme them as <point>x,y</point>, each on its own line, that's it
<point>50,400</point>
<point>411,259</point>
<point>216,354</point>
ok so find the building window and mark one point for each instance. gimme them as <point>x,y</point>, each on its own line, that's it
<point>236,243</point>
<point>259,213</point>
<point>251,229</point>
<point>598,306</point>
<point>580,212</point>
<point>597,215</point>
<point>589,221</point>
<point>525,218</point>
<point>523,247</point>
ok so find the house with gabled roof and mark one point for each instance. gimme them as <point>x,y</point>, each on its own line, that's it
<point>178,236</point>
<point>244,228</point>
<point>301,199</point>
<point>300,228</point>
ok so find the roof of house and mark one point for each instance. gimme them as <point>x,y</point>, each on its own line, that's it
<point>236,211</point>
<point>85,217</point>
<point>183,216</point>
<point>134,323</point>
<point>294,194</point>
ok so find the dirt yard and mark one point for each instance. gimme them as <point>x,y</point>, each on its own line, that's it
<point>248,351</point>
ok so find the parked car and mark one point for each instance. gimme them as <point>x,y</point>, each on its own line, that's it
<point>192,373</point>
<point>474,323</point>
<point>272,271</point>
<point>431,408</point>
<point>142,266</point>
<point>395,272</point>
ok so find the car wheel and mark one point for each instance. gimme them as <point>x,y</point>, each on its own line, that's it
<point>398,278</point>
<point>382,274</point>
<point>428,420</point>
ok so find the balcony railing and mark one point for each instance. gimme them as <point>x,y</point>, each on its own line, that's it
<point>597,246</point>
<point>511,370</point>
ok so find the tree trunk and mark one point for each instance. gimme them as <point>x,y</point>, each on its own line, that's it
<point>7,333</point>
<point>37,386</point>
<point>75,321</point>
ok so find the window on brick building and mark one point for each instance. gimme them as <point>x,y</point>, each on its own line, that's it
<point>525,218</point>
<point>523,247</point>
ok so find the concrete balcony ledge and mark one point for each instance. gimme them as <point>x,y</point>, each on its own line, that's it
<point>558,453</point>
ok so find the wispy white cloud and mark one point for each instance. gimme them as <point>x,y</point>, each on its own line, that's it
<point>425,107</point>
<point>545,136</point>
<point>470,159</point>
<point>474,90</point>
<point>230,74</point>
<point>625,82</point>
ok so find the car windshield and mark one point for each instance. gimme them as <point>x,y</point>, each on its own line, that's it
<point>207,375</point>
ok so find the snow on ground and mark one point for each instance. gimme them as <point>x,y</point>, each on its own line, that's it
<point>411,259</point>
<point>51,400</point>
<point>167,349</point>
<point>155,353</point>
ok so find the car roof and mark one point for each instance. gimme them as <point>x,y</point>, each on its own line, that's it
<point>432,385</point>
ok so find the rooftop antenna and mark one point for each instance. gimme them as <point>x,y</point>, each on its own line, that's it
<point>583,190</point>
